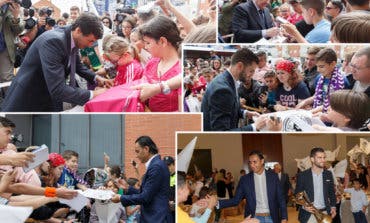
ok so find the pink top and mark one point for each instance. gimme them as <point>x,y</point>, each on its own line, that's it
<point>161,102</point>
<point>128,73</point>
<point>295,18</point>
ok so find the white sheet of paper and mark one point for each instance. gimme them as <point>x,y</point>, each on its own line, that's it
<point>107,211</point>
<point>77,203</point>
<point>11,214</point>
<point>41,155</point>
<point>98,194</point>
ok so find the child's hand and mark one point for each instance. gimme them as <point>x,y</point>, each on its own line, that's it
<point>8,178</point>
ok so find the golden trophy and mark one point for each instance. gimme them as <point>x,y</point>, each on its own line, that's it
<point>301,198</point>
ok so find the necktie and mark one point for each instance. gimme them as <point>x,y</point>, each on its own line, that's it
<point>262,18</point>
<point>72,79</point>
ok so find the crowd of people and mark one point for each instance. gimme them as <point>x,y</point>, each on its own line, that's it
<point>58,177</point>
<point>293,21</point>
<point>68,61</point>
<point>247,86</point>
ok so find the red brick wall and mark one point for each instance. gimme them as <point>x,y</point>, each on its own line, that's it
<point>161,128</point>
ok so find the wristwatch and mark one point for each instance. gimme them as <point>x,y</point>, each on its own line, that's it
<point>165,89</point>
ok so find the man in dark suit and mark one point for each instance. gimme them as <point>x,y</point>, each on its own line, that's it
<point>319,186</point>
<point>154,192</point>
<point>284,181</point>
<point>251,21</point>
<point>262,191</point>
<point>220,103</point>
<point>40,84</point>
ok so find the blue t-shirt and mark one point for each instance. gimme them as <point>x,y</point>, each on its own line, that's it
<point>67,180</point>
<point>319,34</point>
<point>290,98</point>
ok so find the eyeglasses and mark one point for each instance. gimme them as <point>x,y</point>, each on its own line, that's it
<point>329,8</point>
<point>357,68</point>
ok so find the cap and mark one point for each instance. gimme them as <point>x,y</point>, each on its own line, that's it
<point>168,160</point>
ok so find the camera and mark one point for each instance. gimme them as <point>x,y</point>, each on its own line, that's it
<point>24,3</point>
<point>120,17</point>
<point>47,11</point>
<point>126,10</point>
<point>29,23</point>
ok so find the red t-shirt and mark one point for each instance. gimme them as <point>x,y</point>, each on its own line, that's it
<point>128,73</point>
<point>162,102</point>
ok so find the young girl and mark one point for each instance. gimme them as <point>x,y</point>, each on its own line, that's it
<point>119,52</point>
<point>162,39</point>
<point>292,90</point>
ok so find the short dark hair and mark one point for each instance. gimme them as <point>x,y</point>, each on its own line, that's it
<point>356,180</point>
<point>162,26</point>
<point>327,55</point>
<point>147,141</point>
<point>258,153</point>
<point>244,55</point>
<point>4,122</point>
<point>68,154</point>
<point>270,73</point>
<point>338,4</point>
<point>74,8</point>
<point>317,5</point>
<point>115,171</point>
<point>316,150</point>
<point>89,23</point>
<point>204,191</point>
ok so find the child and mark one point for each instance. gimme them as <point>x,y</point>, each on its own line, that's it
<point>348,110</point>
<point>330,80</point>
<point>268,96</point>
<point>133,211</point>
<point>292,90</point>
<point>358,201</point>
<point>118,51</point>
<point>69,178</point>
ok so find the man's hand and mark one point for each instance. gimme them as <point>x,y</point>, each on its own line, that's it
<point>116,198</point>
<point>20,159</point>
<point>333,212</point>
<point>260,122</point>
<point>66,193</point>
<point>15,9</point>
<point>310,209</point>
<point>274,31</point>
<point>104,82</point>
<point>250,220</point>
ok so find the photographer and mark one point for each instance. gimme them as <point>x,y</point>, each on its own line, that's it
<point>10,27</point>
<point>45,22</point>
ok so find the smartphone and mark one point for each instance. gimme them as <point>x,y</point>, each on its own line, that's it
<point>281,20</point>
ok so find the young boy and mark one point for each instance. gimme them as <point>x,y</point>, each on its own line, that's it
<point>313,14</point>
<point>69,178</point>
<point>329,81</point>
<point>358,201</point>
<point>268,92</point>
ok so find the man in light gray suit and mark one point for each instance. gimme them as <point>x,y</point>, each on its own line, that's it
<point>40,84</point>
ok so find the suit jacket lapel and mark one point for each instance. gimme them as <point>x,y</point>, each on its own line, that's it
<point>252,190</point>
<point>255,14</point>
<point>310,186</point>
